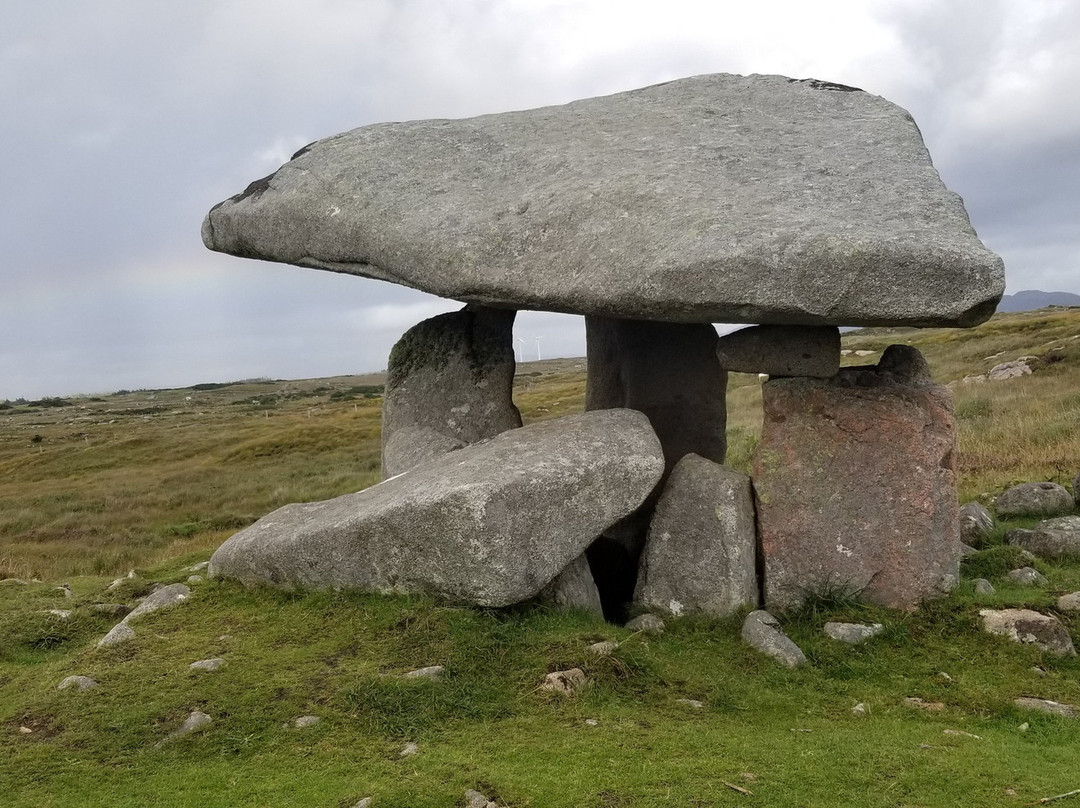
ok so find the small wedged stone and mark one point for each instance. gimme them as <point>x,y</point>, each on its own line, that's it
<point>762,632</point>
<point>1051,539</point>
<point>1030,628</point>
<point>77,682</point>
<point>164,598</point>
<point>781,350</point>
<point>1027,576</point>
<point>565,683</point>
<point>1034,499</point>
<point>119,633</point>
<point>853,633</point>
<point>573,588</point>
<point>646,623</point>
<point>1047,706</point>
<point>976,523</point>
<point>207,665</point>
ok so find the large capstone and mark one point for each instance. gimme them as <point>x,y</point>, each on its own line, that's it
<point>717,198</point>
<point>855,483</point>
<point>449,383</point>
<point>490,524</point>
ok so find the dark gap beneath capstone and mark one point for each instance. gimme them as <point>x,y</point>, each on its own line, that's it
<point>614,571</point>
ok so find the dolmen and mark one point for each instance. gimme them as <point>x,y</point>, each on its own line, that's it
<point>796,206</point>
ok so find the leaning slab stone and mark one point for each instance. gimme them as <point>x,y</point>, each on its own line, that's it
<point>781,350</point>
<point>573,588</point>
<point>670,372</point>
<point>976,524</point>
<point>1029,627</point>
<point>1051,538</point>
<point>449,383</point>
<point>490,524</point>
<point>120,633</point>
<point>719,198</point>
<point>77,682</point>
<point>701,551</point>
<point>762,632</point>
<point>853,633</point>
<point>855,483</point>
<point>1034,499</point>
<point>164,598</point>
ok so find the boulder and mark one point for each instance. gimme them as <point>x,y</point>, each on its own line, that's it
<point>717,198</point>
<point>490,524</point>
<point>164,598</point>
<point>119,633</point>
<point>781,350</point>
<point>976,524</point>
<point>449,383</point>
<point>762,632</point>
<point>1027,576</point>
<point>1034,499</point>
<point>1050,539</point>
<point>573,588</point>
<point>701,551</point>
<point>855,485</point>
<point>1029,627</point>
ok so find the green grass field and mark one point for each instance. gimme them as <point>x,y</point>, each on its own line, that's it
<point>154,480</point>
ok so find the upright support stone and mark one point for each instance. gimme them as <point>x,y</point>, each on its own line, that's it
<point>449,383</point>
<point>855,481</point>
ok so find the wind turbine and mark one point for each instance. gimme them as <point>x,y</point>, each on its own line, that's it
<point>520,351</point>
<point>538,347</point>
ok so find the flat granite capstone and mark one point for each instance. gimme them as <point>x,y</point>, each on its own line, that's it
<point>716,198</point>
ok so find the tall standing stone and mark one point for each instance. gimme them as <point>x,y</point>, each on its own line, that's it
<point>855,482</point>
<point>449,383</point>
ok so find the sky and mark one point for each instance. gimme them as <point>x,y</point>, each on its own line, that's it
<point>123,121</point>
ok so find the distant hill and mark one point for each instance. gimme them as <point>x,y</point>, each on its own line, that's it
<point>1031,299</point>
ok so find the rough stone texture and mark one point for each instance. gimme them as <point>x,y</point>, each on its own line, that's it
<point>1034,499</point>
<point>780,350</point>
<point>474,799</point>
<point>603,648</point>
<point>701,551</point>
<point>449,383</point>
<point>1008,370</point>
<point>565,683</point>
<point>1029,627</point>
<point>573,588</point>
<point>409,750</point>
<point>761,631</point>
<point>967,550</point>
<point>853,633</point>
<point>1051,538</point>
<point>207,665</point>
<point>1047,706</point>
<point>196,721</point>
<point>77,682</point>
<point>668,371</point>
<point>1069,603</point>
<point>490,524</point>
<point>717,198</point>
<point>984,587</point>
<point>305,721</point>
<point>164,598</point>
<point>119,633</point>
<point>855,484</point>
<point>975,524</point>
<point>1027,576</point>
<point>432,672</point>
<point>364,803</point>
<point>648,624</point>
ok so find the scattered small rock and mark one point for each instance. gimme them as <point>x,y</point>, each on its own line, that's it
<point>305,721</point>
<point>1009,370</point>
<point>976,523</point>
<point>920,704</point>
<point>14,582</point>
<point>202,565</point>
<point>762,632</point>
<point>77,682</point>
<point>1050,539</point>
<point>207,665</point>
<point>1024,727</point>
<point>162,598</point>
<point>943,677</point>
<point>121,632</point>
<point>565,682</point>
<point>1038,671</point>
<point>967,550</point>
<point>194,579</point>
<point>120,581</point>
<point>25,730</point>
<point>1069,603</point>
<point>430,672</point>
<point>984,587</point>
<point>1027,576</point>
<point>111,609</point>
<point>1029,627</point>
<point>853,633</point>
<point>195,722</point>
<point>66,589</point>
<point>961,733</point>
<point>591,722</point>
<point>693,703</point>
<point>1034,499</point>
<point>647,624</point>
<point>409,750</point>
<point>364,803</point>
<point>605,648</point>
<point>1047,706</point>
<point>859,710</point>
<point>1010,792</point>
<point>474,799</point>
<point>63,614</point>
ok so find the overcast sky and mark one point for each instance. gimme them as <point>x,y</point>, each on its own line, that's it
<point>123,121</point>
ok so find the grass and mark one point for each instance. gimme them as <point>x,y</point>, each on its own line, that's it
<point>154,480</point>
